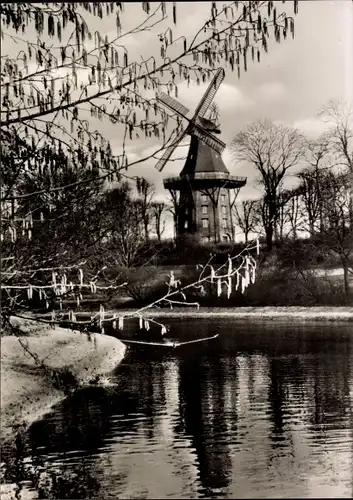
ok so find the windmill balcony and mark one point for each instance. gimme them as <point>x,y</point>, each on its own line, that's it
<point>205,178</point>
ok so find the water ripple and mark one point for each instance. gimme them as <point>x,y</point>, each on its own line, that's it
<point>264,414</point>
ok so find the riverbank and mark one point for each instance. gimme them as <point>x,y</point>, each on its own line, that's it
<point>263,313</point>
<point>317,313</point>
<point>27,392</point>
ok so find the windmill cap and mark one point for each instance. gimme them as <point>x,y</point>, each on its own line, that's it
<point>202,158</point>
<point>208,125</point>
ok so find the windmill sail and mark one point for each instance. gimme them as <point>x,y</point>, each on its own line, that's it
<point>169,151</point>
<point>197,125</point>
<point>173,104</point>
<point>210,93</point>
<point>209,139</point>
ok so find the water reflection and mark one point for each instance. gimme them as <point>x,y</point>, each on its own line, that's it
<point>266,411</point>
<point>202,412</point>
<point>277,399</point>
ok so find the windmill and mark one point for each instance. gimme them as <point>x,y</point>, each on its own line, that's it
<point>198,126</point>
<point>202,192</point>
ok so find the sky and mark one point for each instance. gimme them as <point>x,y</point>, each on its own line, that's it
<point>290,84</point>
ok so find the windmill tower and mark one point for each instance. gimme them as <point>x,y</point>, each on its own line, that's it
<point>204,192</point>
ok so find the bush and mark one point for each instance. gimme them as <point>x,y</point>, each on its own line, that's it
<point>305,253</point>
<point>279,285</point>
<point>284,277</point>
<point>144,284</point>
<point>275,285</point>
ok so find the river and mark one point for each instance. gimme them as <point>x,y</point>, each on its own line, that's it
<point>264,411</point>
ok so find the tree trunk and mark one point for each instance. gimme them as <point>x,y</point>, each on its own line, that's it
<point>145,223</point>
<point>175,220</point>
<point>346,282</point>
<point>311,227</point>
<point>159,233</point>
<point>158,228</point>
<point>321,218</point>
<point>269,237</point>
<point>277,234</point>
<point>350,177</point>
<point>214,222</point>
<point>231,218</point>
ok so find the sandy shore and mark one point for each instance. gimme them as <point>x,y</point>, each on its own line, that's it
<point>26,393</point>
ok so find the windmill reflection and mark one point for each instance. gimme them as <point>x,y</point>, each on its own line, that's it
<point>276,399</point>
<point>233,420</point>
<point>203,416</point>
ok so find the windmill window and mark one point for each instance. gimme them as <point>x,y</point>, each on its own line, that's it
<point>204,209</point>
<point>186,224</point>
<point>204,197</point>
<point>224,223</point>
<point>223,197</point>
<point>205,223</point>
<point>224,209</point>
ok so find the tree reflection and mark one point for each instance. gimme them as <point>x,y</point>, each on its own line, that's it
<point>330,379</point>
<point>79,480</point>
<point>276,398</point>
<point>81,422</point>
<point>202,407</point>
<point>284,396</point>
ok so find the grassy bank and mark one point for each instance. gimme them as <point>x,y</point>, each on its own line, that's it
<point>263,313</point>
<point>27,391</point>
<point>314,313</point>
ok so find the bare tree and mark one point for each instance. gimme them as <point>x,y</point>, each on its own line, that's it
<point>246,217</point>
<point>339,115</point>
<point>318,160</point>
<point>273,150</point>
<point>288,213</point>
<point>158,209</point>
<point>173,207</point>
<point>123,225</point>
<point>337,233</point>
<point>293,207</point>
<point>282,217</point>
<point>58,84</point>
<point>146,192</point>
